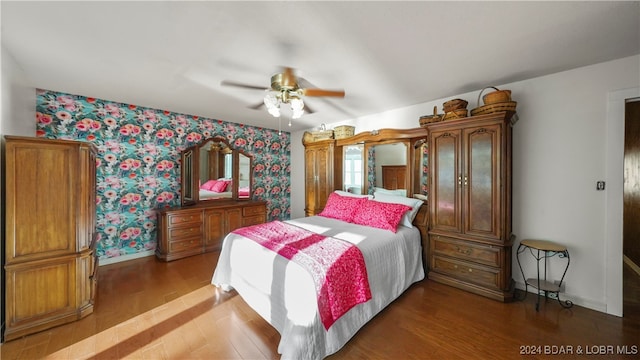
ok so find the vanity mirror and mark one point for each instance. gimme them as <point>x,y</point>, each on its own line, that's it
<point>213,170</point>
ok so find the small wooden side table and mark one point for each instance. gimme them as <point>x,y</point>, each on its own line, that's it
<point>543,250</point>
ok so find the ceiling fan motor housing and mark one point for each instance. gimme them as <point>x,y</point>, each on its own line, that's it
<point>279,82</point>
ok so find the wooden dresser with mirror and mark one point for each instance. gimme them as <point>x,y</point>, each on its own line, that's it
<point>216,192</point>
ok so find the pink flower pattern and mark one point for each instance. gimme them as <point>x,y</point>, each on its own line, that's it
<point>138,167</point>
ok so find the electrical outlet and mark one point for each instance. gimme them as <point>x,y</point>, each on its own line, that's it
<point>600,185</point>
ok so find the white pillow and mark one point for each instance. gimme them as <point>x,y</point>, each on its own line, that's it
<point>398,192</point>
<point>346,193</point>
<point>407,218</point>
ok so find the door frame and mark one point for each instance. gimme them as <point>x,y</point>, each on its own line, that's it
<point>614,203</point>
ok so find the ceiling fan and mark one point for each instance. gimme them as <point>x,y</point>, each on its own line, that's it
<point>286,88</point>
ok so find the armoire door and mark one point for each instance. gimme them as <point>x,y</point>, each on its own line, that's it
<point>481,181</point>
<point>318,175</point>
<point>446,181</point>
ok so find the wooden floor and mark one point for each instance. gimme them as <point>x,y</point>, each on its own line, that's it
<point>147,309</point>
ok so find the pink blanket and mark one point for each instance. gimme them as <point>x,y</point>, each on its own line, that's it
<point>337,266</point>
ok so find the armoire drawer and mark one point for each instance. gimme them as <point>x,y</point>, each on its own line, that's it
<point>475,252</point>
<point>468,272</point>
<point>184,218</point>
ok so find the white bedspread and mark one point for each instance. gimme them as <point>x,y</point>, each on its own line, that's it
<point>283,293</point>
<point>208,195</point>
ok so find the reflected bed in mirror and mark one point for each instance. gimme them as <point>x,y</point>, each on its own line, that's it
<point>213,170</point>
<point>215,177</point>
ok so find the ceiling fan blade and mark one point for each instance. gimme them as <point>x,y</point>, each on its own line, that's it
<point>237,84</point>
<point>307,109</point>
<point>288,78</point>
<point>322,92</point>
<point>257,106</point>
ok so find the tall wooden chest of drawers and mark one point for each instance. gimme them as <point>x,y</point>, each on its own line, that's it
<point>470,237</point>
<point>50,207</point>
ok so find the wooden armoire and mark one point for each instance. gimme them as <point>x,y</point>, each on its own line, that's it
<point>470,237</point>
<point>50,266</point>
<point>323,173</point>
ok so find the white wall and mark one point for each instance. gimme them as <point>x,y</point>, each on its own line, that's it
<point>17,113</point>
<point>559,152</point>
<point>18,109</point>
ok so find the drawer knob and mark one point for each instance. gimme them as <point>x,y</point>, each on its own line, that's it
<point>466,251</point>
<point>470,270</point>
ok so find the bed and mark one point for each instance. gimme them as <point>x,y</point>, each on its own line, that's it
<point>210,195</point>
<point>283,291</point>
<point>221,189</point>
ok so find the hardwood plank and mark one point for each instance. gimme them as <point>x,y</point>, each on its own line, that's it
<point>175,313</point>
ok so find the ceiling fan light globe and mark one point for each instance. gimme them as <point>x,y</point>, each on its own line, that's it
<point>271,100</point>
<point>297,113</point>
<point>275,111</point>
<point>297,104</point>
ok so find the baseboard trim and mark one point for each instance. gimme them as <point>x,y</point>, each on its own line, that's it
<point>631,264</point>
<point>576,300</point>
<point>117,259</point>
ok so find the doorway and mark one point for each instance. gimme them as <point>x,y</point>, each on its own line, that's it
<point>631,211</point>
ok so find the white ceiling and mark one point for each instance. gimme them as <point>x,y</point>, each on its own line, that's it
<point>173,55</point>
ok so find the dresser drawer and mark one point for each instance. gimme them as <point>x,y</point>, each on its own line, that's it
<point>478,253</point>
<point>253,220</point>
<point>253,210</point>
<point>184,232</point>
<point>186,244</point>
<point>184,218</point>
<point>468,272</point>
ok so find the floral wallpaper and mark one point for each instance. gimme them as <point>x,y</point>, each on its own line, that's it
<point>371,170</point>
<point>138,161</point>
<point>424,175</point>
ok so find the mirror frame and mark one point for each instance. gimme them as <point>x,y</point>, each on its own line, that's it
<point>190,173</point>
<point>415,138</point>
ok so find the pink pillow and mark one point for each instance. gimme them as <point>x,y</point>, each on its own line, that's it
<point>380,215</point>
<point>219,186</point>
<point>341,207</point>
<point>207,185</point>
